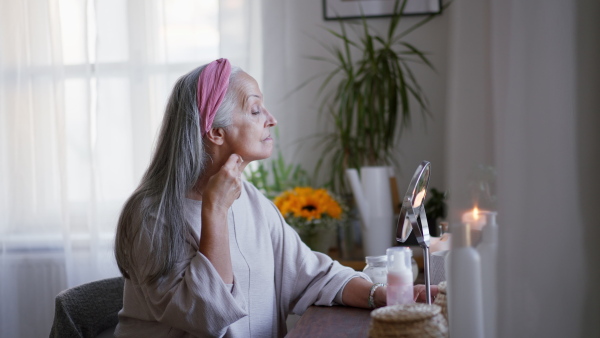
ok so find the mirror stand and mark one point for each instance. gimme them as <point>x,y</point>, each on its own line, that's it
<point>421,228</point>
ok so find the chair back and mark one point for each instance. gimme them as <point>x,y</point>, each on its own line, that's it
<point>88,309</point>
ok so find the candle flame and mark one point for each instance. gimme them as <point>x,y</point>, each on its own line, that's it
<point>475,213</point>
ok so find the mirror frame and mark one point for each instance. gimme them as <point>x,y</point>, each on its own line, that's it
<point>414,218</point>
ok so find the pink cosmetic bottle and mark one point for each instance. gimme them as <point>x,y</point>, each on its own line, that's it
<point>399,276</point>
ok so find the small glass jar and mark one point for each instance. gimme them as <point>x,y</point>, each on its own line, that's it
<point>376,268</point>
<point>400,276</point>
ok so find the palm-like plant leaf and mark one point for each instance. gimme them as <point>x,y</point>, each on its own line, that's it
<point>371,99</point>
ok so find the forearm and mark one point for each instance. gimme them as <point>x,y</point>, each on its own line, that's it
<point>214,241</point>
<point>356,294</point>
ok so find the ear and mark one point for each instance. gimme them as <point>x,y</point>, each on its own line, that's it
<point>216,136</point>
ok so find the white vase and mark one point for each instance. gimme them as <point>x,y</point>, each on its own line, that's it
<point>373,197</point>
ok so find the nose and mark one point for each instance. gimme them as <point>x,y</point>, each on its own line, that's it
<point>271,121</point>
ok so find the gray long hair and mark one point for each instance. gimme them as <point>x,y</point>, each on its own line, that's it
<point>155,208</point>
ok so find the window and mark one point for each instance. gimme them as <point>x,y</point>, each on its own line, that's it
<point>82,93</point>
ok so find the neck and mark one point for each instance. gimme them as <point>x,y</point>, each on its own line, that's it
<point>213,165</point>
<point>198,188</point>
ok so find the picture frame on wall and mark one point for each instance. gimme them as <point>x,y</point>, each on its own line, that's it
<point>352,9</point>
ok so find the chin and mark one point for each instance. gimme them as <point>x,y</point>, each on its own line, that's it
<point>267,153</point>
<point>257,157</point>
<point>256,154</point>
<point>265,156</point>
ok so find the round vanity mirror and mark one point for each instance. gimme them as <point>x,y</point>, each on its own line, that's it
<point>413,202</point>
<point>414,218</point>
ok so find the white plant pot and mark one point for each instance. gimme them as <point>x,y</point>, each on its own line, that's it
<point>373,196</point>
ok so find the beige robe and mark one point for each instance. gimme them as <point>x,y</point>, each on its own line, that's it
<point>274,274</point>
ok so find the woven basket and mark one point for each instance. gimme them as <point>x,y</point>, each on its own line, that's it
<point>442,299</point>
<point>408,320</point>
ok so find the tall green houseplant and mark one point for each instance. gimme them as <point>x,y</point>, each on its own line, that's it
<point>375,90</point>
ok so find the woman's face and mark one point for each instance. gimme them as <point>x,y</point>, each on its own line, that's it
<point>249,135</point>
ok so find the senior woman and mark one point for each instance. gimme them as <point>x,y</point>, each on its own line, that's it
<point>204,253</point>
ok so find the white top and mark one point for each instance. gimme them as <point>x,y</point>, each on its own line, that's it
<point>274,274</point>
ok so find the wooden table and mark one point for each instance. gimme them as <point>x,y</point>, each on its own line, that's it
<point>337,321</point>
<point>331,322</point>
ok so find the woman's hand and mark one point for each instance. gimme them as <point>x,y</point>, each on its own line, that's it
<point>224,187</point>
<point>421,296</point>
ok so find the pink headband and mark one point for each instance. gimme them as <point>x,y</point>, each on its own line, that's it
<point>212,86</point>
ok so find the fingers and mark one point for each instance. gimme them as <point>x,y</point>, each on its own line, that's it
<point>225,186</point>
<point>233,169</point>
<point>234,162</point>
<point>234,166</point>
<point>420,293</point>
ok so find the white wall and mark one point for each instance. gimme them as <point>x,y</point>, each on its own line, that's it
<point>532,67</point>
<point>292,31</point>
<point>550,256</point>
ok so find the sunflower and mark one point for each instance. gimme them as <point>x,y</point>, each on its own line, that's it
<point>304,207</point>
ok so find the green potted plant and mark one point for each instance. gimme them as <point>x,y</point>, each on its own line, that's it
<point>374,85</point>
<point>315,213</point>
<point>375,92</point>
<point>436,209</point>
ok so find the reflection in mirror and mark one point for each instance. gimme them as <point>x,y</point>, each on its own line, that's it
<point>412,204</point>
<point>419,199</point>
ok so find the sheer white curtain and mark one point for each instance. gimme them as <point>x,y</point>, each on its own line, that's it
<point>83,85</point>
<point>522,78</point>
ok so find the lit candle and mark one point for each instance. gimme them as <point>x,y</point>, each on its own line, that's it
<point>474,218</point>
